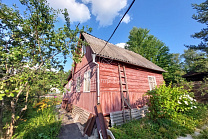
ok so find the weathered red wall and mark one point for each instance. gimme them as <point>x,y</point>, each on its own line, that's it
<point>137,80</point>
<point>85,100</point>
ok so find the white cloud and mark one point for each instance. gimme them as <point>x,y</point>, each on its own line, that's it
<point>122,45</point>
<point>106,10</point>
<point>78,12</point>
<point>126,19</point>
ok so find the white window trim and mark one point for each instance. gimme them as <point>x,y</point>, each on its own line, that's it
<point>70,86</point>
<point>79,84</point>
<point>83,49</point>
<point>89,71</point>
<point>149,82</point>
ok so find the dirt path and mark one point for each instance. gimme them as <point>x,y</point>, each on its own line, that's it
<point>69,128</point>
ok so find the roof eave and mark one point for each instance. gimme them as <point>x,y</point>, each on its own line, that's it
<point>128,62</point>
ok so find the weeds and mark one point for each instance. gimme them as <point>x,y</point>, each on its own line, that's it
<point>39,122</point>
<point>173,113</point>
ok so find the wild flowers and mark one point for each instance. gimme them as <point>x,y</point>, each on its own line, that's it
<point>186,102</point>
<point>45,103</point>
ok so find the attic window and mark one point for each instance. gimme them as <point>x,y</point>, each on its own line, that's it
<point>78,84</point>
<point>152,82</point>
<point>83,49</point>
<point>87,81</point>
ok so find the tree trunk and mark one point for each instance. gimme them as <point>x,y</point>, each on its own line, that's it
<point>1,118</point>
<point>12,124</point>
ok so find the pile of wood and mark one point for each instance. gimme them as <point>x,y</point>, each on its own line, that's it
<point>100,122</point>
<point>117,117</point>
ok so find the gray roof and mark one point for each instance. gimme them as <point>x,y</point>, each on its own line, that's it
<point>114,52</point>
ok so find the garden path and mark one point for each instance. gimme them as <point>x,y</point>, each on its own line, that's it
<point>69,128</point>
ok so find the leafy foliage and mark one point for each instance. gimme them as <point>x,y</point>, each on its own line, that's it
<point>201,17</point>
<point>175,70</point>
<point>141,42</point>
<point>195,61</point>
<point>29,46</point>
<point>167,102</point>
<point>38,124</point>
<point>162,128</point>
<point>169,116</point>
<point>147,45</point>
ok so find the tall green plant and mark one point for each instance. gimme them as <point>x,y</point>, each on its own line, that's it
<point>167,102</point>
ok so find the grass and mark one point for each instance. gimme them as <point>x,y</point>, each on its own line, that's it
<point>163,128</point>
<point>203,134</point>
<point>39,122</point>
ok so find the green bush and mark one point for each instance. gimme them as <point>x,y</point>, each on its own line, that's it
<point>39,123</point>
<point>164,128</point>
<point>167,102</point>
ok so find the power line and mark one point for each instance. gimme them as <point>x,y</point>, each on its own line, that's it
<point>118,25</point>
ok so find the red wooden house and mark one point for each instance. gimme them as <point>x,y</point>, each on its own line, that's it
<point>98,79</point>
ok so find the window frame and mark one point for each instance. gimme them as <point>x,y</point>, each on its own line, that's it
<point>70,86</point>
<point>155,82</point>
<point>83,49</point>
<point>87,80</point>
<point>78,79</point>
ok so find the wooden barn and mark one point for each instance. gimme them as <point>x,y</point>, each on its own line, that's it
<point>112,76</point>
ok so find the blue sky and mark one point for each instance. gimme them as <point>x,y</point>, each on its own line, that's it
<point>169,21</point>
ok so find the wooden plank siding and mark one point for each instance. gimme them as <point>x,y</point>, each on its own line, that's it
<point>137,80</point>
<point>110,99</point>
<point>84,100</point>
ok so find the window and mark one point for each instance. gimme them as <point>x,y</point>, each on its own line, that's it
<point>69,87</point>
<point>152,82</point>
<point>87,81</point>
<point>78,84</point>
<point>83,49</point>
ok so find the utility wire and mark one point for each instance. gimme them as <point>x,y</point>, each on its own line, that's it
<point>117,25</point>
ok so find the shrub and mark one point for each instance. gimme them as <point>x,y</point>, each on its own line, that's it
<point>167,102</point>
<point>39,121</point>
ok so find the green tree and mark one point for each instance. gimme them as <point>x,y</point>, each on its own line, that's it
<point>201,17</point>
<point>174,69</point>
<point>194,61</point>
<point>29,44</point>
<point>147,45</point>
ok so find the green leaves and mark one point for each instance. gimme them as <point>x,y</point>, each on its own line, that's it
<point>30,48</point>
<point>201,17</point>
<point>1,96</point>
<point>168,101</point>
<point>147,45</point>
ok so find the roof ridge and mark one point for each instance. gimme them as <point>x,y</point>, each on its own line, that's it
<point>101,39</point>
<point>125,55</point>
<point>112,44</point>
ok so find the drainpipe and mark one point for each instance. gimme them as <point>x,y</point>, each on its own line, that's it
<point>98,78</point>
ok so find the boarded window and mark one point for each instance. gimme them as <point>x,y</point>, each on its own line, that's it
<point>152,82</point>
<point>87,81</point>
<point>78,84</point>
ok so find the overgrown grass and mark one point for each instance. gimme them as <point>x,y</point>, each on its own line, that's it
<point>39,123</point>
<point>164,128</point>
